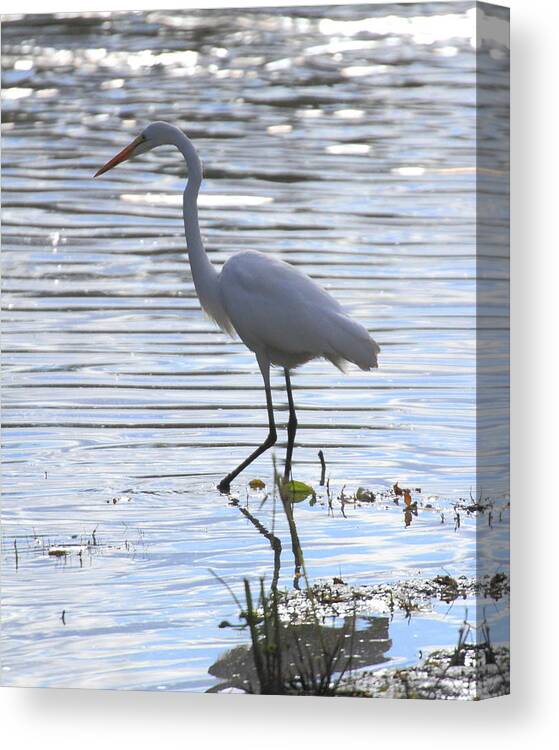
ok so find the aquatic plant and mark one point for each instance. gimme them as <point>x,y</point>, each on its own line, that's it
<point>293,660</point>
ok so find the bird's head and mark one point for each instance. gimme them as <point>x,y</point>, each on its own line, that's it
<point>155,134</point>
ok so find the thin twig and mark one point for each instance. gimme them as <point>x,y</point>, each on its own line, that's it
<point>323,467</point>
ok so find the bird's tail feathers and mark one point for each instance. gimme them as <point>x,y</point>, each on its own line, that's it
<point>349,341</point>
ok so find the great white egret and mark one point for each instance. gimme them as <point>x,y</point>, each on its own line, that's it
<point>278,312</point>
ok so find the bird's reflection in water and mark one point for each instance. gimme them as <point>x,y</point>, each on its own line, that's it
<point>360,648</point>
<point>275,541</point>
<point>348,644</point>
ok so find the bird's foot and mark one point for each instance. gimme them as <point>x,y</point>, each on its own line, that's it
<point>224,486</point>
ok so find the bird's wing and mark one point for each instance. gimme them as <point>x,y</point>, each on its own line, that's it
<point>273,305</point>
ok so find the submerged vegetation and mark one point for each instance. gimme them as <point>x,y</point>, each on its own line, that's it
<point>410,500</point>
<point>77,548</point>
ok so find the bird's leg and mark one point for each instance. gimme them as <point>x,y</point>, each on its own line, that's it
<point>291,427</point>
<point>225,483</point>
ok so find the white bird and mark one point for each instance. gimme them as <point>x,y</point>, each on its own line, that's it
<point>279,313</point>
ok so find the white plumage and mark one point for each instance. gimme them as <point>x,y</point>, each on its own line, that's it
<point>278,312</point>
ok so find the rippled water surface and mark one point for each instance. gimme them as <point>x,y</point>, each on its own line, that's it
<point>341,140</point>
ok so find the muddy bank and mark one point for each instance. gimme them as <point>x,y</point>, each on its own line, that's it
<point>484,673</point>
<point>312,642</point>
<point>338,599</point>
<point>470,671</point>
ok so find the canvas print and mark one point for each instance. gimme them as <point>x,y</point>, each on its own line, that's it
<point>255,350</point>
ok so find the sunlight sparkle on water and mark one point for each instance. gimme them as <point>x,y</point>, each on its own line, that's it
<point>421,29</point>
<point>349,114</point>
<point>349,148</point>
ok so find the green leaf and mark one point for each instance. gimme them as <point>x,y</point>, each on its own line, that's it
<point>364,495</point>
<point>297,491</point>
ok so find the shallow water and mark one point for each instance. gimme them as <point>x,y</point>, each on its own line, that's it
<point>339,139</point>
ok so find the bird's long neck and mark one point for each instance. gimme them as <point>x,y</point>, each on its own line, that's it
<point>204,275</point>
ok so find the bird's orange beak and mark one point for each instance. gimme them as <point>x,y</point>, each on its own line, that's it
<point>123,155</point>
